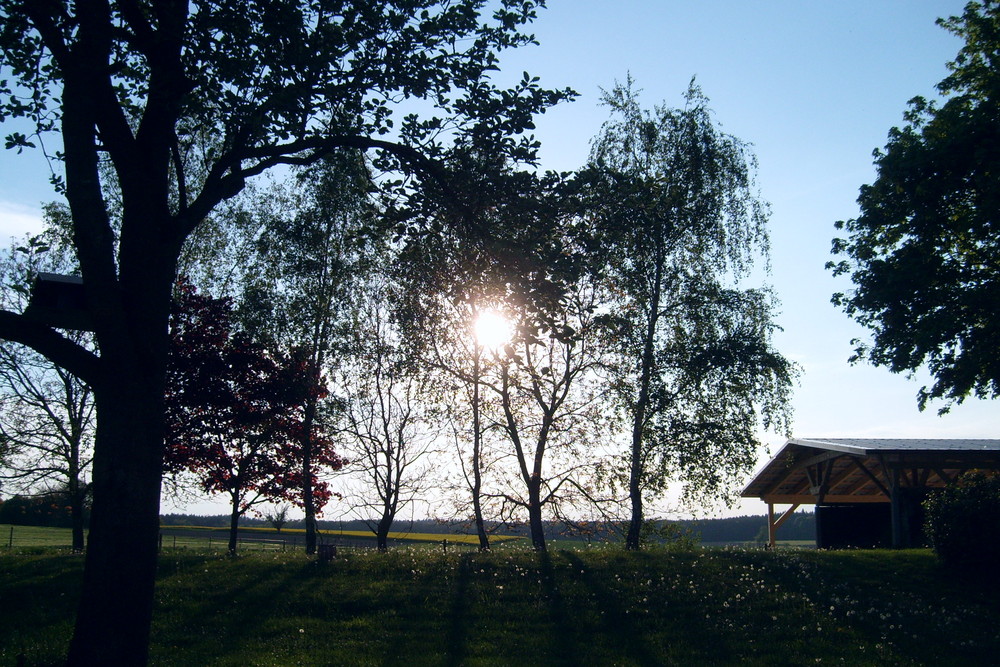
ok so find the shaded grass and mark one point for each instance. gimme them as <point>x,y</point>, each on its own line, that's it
<point>586,607</point>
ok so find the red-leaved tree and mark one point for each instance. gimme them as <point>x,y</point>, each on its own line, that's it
<point>235,412</point>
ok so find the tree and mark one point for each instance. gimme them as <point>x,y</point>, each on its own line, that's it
<point>526,266</point>
<point>547,384</point>
<point>277,517</point>
<point>46,413</point>
<point>306,267</point>
<point>386,414</point>
<point>923,251</point>
<point>234,413</point>
<point>138,84</point>
<point>678,224</point>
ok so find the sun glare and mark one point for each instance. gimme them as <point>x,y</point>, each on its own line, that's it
<point>492,329</point>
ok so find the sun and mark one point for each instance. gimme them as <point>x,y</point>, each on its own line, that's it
<point>492,329</point>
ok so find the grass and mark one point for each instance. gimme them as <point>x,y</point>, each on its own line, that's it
<point>597,606</point>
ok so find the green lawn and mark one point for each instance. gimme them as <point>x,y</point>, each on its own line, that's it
<point>252,538</point>
<point>597,606</point>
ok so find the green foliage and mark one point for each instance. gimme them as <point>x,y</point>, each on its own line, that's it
<point>923,252</point>
<point>673,536</point>
<point>963,523</point>
<point>679,225</point>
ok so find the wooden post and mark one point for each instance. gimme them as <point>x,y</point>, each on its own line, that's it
<point>896,509</point>
<point>771,529</point>
<point>10,542</point>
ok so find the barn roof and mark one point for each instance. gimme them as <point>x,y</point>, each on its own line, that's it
<point>853,470</point>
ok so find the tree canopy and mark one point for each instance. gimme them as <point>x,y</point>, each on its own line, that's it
<point>924,252</point>
<point>678,226</point>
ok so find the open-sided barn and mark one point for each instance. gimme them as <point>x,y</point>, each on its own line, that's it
<point>867,492</point>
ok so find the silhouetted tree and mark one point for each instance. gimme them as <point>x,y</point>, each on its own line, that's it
<point>235,417</point>
<point>679,223</point>
<point>138,85</point>
<point>923,251</point>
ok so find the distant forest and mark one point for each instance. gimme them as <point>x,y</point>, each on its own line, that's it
<point>799,526</point>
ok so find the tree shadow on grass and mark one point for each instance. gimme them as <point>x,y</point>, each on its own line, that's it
<point>458,627</point>
<point>619,627</point>
<point>565,648</point>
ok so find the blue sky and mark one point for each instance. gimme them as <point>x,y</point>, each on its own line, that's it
<point>813,85</point>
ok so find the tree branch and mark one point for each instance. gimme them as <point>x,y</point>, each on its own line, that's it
<point>51,344</point>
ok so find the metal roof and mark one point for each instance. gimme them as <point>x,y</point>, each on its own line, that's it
<point>853,470</point>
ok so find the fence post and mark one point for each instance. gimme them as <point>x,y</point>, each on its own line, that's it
<point>444,546</point>
<point>160,545</point>
<point>10,542</point>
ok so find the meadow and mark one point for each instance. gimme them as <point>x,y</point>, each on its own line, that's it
<point>586,606</point>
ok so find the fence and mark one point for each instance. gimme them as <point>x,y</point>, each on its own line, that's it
<point>181,538</point>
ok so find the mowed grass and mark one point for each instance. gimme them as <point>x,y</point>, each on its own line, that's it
<point>251,538</point>
<point>598,606</point>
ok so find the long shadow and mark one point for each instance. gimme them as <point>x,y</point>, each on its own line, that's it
<point>564,631</point>
<point>619,627</point>
<point>458,628</point>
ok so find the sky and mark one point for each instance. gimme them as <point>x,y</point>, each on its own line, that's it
<point>814,86</point>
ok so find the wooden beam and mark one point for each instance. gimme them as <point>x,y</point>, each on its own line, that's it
<point>773,525</point>
<point>809,499</point>
<point>881,487</point>
<point>771,528</point>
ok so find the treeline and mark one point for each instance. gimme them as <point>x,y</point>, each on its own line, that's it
<point>50,509</point>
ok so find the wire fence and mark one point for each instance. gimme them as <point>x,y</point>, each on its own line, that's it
<point>12,537</point>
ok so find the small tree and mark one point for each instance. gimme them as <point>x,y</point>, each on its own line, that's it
<point>386,416</point>
<point>234,412</point>
<point>277,517</point>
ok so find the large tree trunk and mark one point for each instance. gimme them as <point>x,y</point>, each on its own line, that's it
<point>116,604</point>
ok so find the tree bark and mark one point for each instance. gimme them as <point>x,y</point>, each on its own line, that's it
<point>382,532</point>
<point>116,603</point>
<point>477,453</point>
<point>308,501</point>
<point>633,540</point>
<point>234,526</point>
<point>535,514</point>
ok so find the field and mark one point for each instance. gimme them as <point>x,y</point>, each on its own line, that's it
<point>596,606</point>
<point>251,538</point>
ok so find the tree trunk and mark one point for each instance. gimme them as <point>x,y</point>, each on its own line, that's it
<point>76,498</point>
<point>76,512</point>
<point>234,526</point>
<point>633,540</point>
<point>382,532</point>
<point>116,603</point>
<point>477,453</point>
<point>308,501</point>
<point>535,513</point>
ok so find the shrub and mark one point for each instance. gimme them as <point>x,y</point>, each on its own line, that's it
<point>963,522</point>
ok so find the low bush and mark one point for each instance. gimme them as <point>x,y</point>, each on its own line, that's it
<point>963,522</point>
